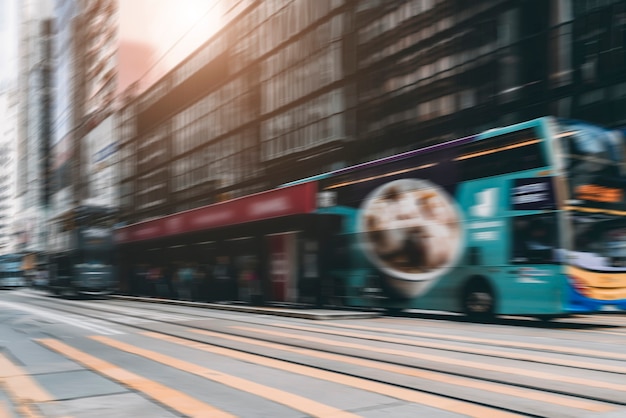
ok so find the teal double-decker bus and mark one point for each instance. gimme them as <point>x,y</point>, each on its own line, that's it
<point>528,219</point>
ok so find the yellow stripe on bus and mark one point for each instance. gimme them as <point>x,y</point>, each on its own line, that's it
<point>296,402</point>
<point>502,389</point>
<point>171,398</point>
<point>446,360</point>
<point>604,286</point>
<point>22,389</point>
<point>595,210</point>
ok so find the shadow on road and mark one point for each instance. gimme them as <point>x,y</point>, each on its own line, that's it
<point>572,322</point>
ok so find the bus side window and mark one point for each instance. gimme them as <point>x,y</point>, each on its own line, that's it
<point>534,239</point>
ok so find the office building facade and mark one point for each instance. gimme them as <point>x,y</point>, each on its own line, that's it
<point>267,92</point>
<point>290,89</point>
<point>431,70</point>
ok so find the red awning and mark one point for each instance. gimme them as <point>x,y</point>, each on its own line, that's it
<point>294,200</point>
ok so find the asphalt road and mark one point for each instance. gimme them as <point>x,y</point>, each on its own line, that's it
<point>103,358</point>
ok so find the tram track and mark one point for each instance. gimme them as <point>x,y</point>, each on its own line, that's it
<point>517,345</point>
<point>226,336</point>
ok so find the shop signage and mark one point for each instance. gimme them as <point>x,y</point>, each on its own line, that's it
<point>294,200</point>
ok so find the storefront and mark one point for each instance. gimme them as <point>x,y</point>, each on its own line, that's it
<point>267,247</point>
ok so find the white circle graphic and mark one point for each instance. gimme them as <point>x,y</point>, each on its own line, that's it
<point>411,230</point>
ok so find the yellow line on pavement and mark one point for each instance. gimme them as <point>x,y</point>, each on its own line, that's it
<point>4,410</point>
<point>291,400</point>
<point>22,388</point>
<point>502,389</point>
<point>597,331</point>
<point>510,344</point>
<point>470,350</point>
<point>447,360</point>
<point>172,398</point>
<point>409,395</point>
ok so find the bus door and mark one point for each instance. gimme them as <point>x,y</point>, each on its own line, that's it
<point>536,255</point>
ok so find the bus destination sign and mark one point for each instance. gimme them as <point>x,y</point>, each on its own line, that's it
<point>532,194</point>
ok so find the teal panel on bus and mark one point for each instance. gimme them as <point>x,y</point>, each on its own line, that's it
<point>493,208</point>
<point>538,124</point>
<point>484,203</point>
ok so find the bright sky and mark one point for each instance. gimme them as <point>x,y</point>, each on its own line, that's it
<point>153,34</point>
<point>8,42</point>
<point>151,31</point>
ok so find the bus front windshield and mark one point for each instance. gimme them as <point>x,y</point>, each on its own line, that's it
<point>599,242</point>
<point>596,177</point>
<point>594,162</point>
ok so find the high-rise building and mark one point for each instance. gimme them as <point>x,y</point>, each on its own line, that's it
<point>8,171</point>
<point>35,84</point>
<point>66,89</point>
<point>268,92</point>
<point>8,124</point>
<point>85,77</point>
<point>430,70</point>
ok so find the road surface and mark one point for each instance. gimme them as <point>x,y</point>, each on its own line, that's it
<point>101,358</point>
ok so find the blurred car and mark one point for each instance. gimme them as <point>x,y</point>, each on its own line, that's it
<point>40,280</point>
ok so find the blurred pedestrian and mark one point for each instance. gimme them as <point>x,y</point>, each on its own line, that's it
<point>185,281</point>
<point>154,277</point>
<point>168,277</point>
<point>141,287</point>
<point>223,275</point>
<point>206,287</point>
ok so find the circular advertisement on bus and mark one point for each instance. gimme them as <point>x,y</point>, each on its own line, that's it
<point>411,230</point>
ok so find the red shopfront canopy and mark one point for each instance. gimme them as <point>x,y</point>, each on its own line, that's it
<point>294,200</point>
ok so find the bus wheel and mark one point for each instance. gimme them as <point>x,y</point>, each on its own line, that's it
<point>478,299</point>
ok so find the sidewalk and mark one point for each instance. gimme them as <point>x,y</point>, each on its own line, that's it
<point>304,313</point>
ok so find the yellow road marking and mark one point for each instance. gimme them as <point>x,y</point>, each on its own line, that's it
<point>172,398</point>
<point>291,400</point>
<point>596,331</point>
<point>414,396</point>
<point>471,350</point>
<point>23,389</point>
<point>434,376</point>
<point>4,410</point>
<point>447,360</point>
<point>511,344</point>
